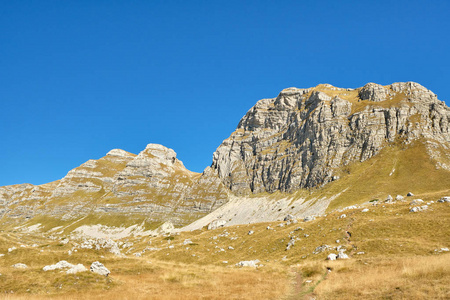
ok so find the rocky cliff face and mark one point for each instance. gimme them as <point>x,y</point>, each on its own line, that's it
<point>153,184</point>
<point>303,137</point>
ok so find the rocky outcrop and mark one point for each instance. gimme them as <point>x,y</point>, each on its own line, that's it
<point>303,137</point>
<point>153,184</point>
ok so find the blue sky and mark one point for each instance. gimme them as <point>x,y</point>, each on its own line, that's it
<point>79,78</point>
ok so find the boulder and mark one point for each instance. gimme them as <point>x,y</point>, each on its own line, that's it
<point>288,217</point>
<point>216,224</point>
<point>99,268</point>
<point>399,197</point>
<point>409,194</point>
<point>248,263</point>
<point>332,256</point>
<point>308,218</point>
<point>342,255</point>
<point>60,265</point>
<point>76,269</point>
<point>444,199</point>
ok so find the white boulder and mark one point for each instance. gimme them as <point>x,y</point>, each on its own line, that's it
<point>99,268</point>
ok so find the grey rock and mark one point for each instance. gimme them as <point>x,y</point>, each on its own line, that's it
<point>99,268</point>
<point>332,256</point>
<point>288,217</point>
<point>60,265</point>
<point>342,255</point>
<point>373,92</point>
<point>216,224</point>
<point>301,138</point>
<point>248,263</point>
<point>308,218</point>
<point>444,199</point>
<point>321,249</point>
<point>76,269</point>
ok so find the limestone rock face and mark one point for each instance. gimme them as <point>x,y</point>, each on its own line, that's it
<point>303,137</point>
<point>373,92</point>
<point>153,185</point>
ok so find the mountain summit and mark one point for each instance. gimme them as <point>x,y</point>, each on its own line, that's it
<point>304,137</point>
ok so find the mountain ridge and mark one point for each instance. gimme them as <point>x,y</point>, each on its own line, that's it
<point>311,145</point>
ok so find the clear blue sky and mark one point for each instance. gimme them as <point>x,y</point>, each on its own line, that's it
<point>78,78</point>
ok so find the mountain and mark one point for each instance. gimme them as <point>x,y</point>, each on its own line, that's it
<point>151,187</point>
<point>305,152</point>
<point>305,137</point>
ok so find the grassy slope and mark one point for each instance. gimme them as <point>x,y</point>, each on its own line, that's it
<point>400,261</point>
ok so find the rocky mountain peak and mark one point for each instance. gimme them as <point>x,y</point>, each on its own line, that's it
<point>119,153</point>
<point>303,137</point>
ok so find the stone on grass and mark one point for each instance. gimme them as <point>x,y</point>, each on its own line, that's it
<point>75,269</point>
<point>410,194</point>
<point>331,256</point>
<point>60,265</point>
<point>248,263</point>
<point>399,197</point>
<point>308,218</point>
<point>365,210</point>
<point>342,255</point>
<point>20,266</point>
<point>444,199</point>
<point>99,268</point>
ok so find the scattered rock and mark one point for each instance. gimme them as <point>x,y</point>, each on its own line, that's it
<point>444,199</point>
<point>416,202</point>
<point>290,244</point>
<point>308,218</point>
<point>60,265</point>
<point>389,199</point>
<point>216,224</point>
<point>365,210</point>
<point>399,197</point>
<point>419,208</point>
<point>76,269</point>
<point>251,232</point>
<point>342,255</point>
<point>288,217</point>
<point>331,256</point>
<point>187,242</point>
<point>11,249</point>
<point>321,249</point>
<point>99,268</point>
<point>20,266</point>
<point>248,263</point>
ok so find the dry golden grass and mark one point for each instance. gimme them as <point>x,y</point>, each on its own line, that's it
<point>418,277</point>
